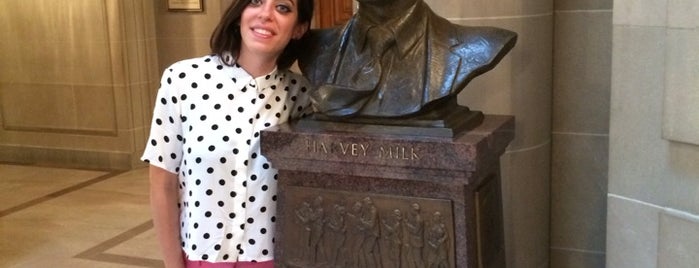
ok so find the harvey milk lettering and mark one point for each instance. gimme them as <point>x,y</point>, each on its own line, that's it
<point>363,150</point>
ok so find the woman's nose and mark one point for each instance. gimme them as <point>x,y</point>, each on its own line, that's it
<point>266,10</point>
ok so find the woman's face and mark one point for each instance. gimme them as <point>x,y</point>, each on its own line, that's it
<point>266,26</point>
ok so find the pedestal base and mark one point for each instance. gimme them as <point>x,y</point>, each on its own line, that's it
<point>350,199</point>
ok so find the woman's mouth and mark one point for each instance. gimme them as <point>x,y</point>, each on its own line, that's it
<point>262,31</point>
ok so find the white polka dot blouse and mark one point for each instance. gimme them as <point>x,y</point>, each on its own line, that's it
<point>206,128</point>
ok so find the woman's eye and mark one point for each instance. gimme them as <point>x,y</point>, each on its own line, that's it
<point>283,8</point>
<point>256,2</point>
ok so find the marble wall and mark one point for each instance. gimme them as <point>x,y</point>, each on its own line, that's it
<point>521,85</point>
<point>580,125</point>
<point>653,199</point>
<point>75,81</point>
<point>58,108</point>
<point>184,35</point>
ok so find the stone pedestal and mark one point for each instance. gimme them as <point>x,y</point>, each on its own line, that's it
<point>354,198</point>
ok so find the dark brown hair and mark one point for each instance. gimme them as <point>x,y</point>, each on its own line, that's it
<point>226,37</point>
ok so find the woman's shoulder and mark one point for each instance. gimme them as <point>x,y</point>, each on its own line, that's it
<point>211,60</point>
<point>295,79</point>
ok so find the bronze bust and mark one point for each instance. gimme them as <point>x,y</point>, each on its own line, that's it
<point>397,59</point>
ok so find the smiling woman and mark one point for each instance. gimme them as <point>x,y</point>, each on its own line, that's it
<point>213,195</point>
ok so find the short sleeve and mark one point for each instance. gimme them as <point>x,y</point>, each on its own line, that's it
<point>300,97</point>
<point>164,145</point>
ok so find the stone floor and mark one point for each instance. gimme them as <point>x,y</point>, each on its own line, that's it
<point>56,217</point>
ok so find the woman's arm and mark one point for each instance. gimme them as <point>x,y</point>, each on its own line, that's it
<point>164,196</point>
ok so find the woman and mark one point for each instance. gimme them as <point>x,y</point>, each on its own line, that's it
<point>212,194</point>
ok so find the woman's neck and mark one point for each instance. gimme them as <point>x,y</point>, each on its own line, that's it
<point>256,66</point>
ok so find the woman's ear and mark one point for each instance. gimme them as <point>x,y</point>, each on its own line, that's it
<point>300,30</point>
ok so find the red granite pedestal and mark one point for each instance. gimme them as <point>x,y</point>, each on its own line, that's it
<point>355,198</point>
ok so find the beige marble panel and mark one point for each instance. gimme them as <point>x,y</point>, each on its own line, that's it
<point>60,108</point>
<point>38,106</point>
<point>562,258</point>
<point>681,112</point>
<point>643,165</point>
<point>636,113</point>
<point>179,49</point>
<point>582,72</point>
<point>486,9</point>
<point>678,239</point>
<point>52,25</point>
<point>83,80</point>
<point>187,24</point>
<point>89,63</point>
<point>521,84</point>
<point>640,12</point>
<point>140,61</point>
<point>183,35</point>
<point>683,14</point>
<point>70,158</point>
<point>561,5</point>
<point>526,203</point>
<point>54,37</point>
<point>579,192</point>
<point>632,233</point>
<point>95,108</point>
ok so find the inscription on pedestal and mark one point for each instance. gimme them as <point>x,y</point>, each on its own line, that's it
<point>381,151</point>
<point>328,228</point>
